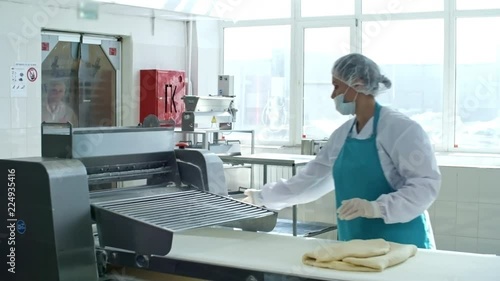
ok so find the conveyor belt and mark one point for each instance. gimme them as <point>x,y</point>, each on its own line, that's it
<point>146,224</point>
<point>180,211</point>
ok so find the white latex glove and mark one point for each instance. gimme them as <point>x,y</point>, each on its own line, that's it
<point>356,207</point>
<point>253,197</point>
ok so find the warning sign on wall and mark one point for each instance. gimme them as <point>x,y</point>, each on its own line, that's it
<point>21,74</point>
<point>32,74</point>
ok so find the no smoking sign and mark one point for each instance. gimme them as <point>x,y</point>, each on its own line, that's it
<point>32,74</point>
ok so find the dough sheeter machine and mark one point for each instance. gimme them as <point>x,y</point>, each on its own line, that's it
<point>116,196</point>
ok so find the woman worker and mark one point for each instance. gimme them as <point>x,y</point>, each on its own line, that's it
<point>384,170</point>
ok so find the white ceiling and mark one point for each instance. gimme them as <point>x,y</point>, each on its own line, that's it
<point>161,9</point>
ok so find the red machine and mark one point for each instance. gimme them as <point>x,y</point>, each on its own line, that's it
<point>161,94</point>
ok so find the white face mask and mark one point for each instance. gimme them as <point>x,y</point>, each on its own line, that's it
<point>345,108</point>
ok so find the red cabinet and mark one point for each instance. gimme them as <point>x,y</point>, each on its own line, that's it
<point>161,94</point>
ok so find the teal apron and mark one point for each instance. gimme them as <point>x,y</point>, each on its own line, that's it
<point>357,173</point>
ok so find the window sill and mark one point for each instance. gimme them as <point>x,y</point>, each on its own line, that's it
<point>472,160</point>
<point>447,159</point>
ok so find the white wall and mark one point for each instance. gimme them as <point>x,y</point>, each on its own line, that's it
<point>163,46</point>
<point>466,215</point>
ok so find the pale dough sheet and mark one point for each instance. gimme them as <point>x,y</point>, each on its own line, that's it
<point>359,255</point>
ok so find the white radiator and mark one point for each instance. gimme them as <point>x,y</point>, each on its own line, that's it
<point>274,173</point>
<point>239,177</point>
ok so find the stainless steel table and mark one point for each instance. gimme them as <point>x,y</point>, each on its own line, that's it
<point>286,160</point>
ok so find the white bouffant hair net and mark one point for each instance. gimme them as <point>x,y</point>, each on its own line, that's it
<point>360,73</point>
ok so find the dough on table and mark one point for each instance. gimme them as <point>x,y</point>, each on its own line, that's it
<point>359,255</point>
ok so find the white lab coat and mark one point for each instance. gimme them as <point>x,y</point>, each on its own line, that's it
<point>61,113</point>
<point>407,159</point>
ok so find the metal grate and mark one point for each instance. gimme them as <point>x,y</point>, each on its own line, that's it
<point>184,210</point>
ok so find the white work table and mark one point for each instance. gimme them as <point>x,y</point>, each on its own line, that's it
<point>273,159</point>
<point>282,255</point>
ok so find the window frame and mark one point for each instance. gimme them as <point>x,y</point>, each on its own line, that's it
<point>293,101</point>
<point>455,15</point>
<point>300,58</point>
<point>450,15</point>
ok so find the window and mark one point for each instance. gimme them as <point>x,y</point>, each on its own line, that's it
<point>453,93</point>
<point>477,86</point>
<point>259,59</point>
<point>252,9</point>
<point>477,4</point>
<point>411,53</point>
<point>401,6</point>
<point>318,8</point>
<point>322,46</point>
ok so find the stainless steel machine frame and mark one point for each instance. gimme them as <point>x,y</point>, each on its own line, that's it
<point>55,209</point>
<point>208,107</point>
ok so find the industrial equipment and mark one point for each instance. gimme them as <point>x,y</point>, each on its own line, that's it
<point>225,85</point>
<point>169,191</point>
<point>311,146</point>
<point>208,112</point>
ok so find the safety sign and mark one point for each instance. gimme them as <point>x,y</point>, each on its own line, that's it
<point>21,74</point>
<point>32,74</point>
